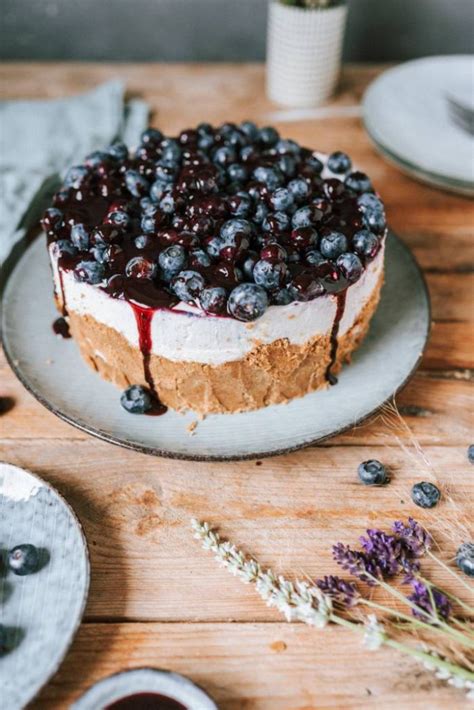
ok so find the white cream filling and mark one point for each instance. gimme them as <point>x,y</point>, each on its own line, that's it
<point>186,333</point>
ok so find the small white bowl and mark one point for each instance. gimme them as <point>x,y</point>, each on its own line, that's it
<point>144,680</point>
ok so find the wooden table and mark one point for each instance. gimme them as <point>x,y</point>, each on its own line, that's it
<point>156,598</point>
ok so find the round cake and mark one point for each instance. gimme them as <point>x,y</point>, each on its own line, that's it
<point>223,270</point>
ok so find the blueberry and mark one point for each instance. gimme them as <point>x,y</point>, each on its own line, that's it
<point>188,285</point>
<point>470,453</point>
<point>136,400</point>
<point>63,247</point>
<point>284,296</point>
<point>273,252</point>
<point>247,302</point>
<point>287,165</point>
<point>249,129</point>
<point>281,199</point>
<point>299,188</point>
<point>80,237</point>
<point>148,222</point>
<point>339,162</point>
<point>425,494</point>
<point>106,234</point>
<point>237,172</point>
<point>97,157</point>
<point>90,272</point>
<point>172,259</point>
<point>213,300</point>
<point>52,219</point>
<point>75,176</point>
<point>120,218</point>
<point>276,222</point>
<point>269,176</point>
<point>304,237</point>
<point>118,151</point>
<point>167,204</point>
<point>214,247</point>
<point>225,155</point>
<point>240,204</point>
<point>372,473</point>
<point>287,146</point>
<point>146,204</point>
<point>151,135</point>
<point>141,269</point>
<point>23,559</point>
<point>465,558</point>
<point>302,218</point>
<point>358,182</point>
<point>314,163</point>
<point>165,173</point>
<point>269,275</point>
<point>365,243</point>
<point>350,266</point>
<point>206,141</point>
<point>373,213</point>
<point>261,212</point>
<point>98,252</point>
<point>198,257</point>
<point>170,150</point>
<point>314,257</point>
<point>136,184</point>
<point>142,241</point>
<point>268,136</point>
<point>248,264</point>
<point>232,227</point>
<point>247,152</point>
<point>157,190</point>
<point>333,244</point>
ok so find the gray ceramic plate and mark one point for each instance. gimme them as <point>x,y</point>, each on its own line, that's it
<point>54,372</point>
<point>406,114</point>
<point>41,611</point>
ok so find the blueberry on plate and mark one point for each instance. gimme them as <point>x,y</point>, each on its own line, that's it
<point>372,473</point>
<point>247,302</point>
<point>425,494</point>
<point>136,400</point>
<point>23,559</point>
<point>470,453</point>
<point>339,162</point>
<point>465,558</point>
<point>90,272</point>
<point>333,244</point>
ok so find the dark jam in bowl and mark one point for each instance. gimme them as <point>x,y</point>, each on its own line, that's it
<point>146,701</point>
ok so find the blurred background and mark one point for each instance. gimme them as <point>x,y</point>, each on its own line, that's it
<point>207,30</point>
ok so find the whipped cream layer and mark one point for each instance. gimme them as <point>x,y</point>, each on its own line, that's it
<point>186,333</point>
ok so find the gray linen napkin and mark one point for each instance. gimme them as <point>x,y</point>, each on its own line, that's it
<point>40,139</point>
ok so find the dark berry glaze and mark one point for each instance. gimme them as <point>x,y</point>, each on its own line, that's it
<point>199,217</point>
<point>146,701</point>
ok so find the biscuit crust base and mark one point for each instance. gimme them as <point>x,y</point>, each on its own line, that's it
<point>269,374</point>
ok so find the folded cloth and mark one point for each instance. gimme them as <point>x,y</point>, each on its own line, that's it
<point>40,139</point>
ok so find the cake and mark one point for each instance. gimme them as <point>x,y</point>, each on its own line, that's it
<point>223,270</point>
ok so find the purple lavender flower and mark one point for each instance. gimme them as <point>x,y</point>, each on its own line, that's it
<point>385,551</point>
<point>342,592</point>
<point>357,563</point>
<point>415,538</point>
<point>422,598</point>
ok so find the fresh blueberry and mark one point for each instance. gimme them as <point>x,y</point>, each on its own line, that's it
<point>372,473</point>
<point>287,165</point>
<point>373,213</point>
<point>172,259</point>
<point>232,227</point>
<point>213,300</point>
<point>151,135</point>
<point>80,237</point>
<point>157,190</point>
<point>314,163</point>
<point>214,247</point>
<point>284,296</point>
<point>225,155</point>
<point>136,400</point>
<point>285,146</point>
<point>63,247</point>
<point>304,237</point>
<point>269,275</point>
<point>23,559</point>
<point>52,219</point>
<point>75,176</point>
<point>148,221</point>
<point>333,244</point>
<point>470,453</point>
<point>188,285</point>
<point>118,151</point>
<point>120,218</point>
<point>237,172</point>
<point>274,252</point>
<point>425,494</point>
<point>365,243</point>
<point>281,199</point>
<point>248,264</point>
<point>240,204</point>
<point>269,176</point>
<point>142,241</point>
<point>261,212</point>
<point>276,222</point>
<point>247,302</point>
<point>358,182</point>
<point>465,558</point>
<point>206,141</point>
<point>141,269</point>
<point>198,257</point>
<point>146,204</point>
<point>166,173</point>
<point>136,184</point>
<point>247,152</point>
<point>170,150</point>
<point>268,136</point>
<point>339,162</point>
<point>314,257</point>
<point>97,157</point>
<point>167,204</point>
<point>299,188</point>
<point>350,266</point>
<point>98,252</point>
<point>249,129</point>
<point>302,218</point>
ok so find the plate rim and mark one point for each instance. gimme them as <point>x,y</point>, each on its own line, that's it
<point>55,667</point>
<point>211,458</point>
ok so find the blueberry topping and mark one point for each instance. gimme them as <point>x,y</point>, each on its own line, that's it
<point>302,217</point>
<point>63,247</point>
<point>188,285</point>
<point>339,163</point>
<point>333,244</point>
<point>358,182</point>
<point>119,218</point>
<point>365,243</point>
<point>90,272</point>
<point>143,241</point>
<point>247,302</point>
<point>213,300</point>
<point>299,188</point>
<point>465,558</point>
<point>136,184</point>
<point>118,151</point>
<point>136,400</point>
<point>141,268</point>
<point>425,494</point>
<point>268,136</point>
<point>23,559</point>
<point>172,259</point>
<point>249,129</point>
<point>151,136</point>
<point>75,176</point>
<point>350,266</point>
<point>232,227</point>
<point>282,199</point>
<point>271,177</point>
<point>372,473</point>
<point>269,275</point>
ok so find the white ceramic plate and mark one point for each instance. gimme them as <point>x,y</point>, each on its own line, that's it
<point>54,372</point>
<point>406,115</point>
<point>41,611</point>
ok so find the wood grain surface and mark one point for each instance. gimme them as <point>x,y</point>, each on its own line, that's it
<point>158,599</point>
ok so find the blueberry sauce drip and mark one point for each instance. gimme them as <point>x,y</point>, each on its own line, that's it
<point>146,701</point>
<point>143,318</point>
<point>340,307</point>
<point>61,328</point>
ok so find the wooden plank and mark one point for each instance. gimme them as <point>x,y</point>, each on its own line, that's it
<point>259,666</point>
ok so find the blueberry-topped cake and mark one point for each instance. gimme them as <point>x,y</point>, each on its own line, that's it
<point>222,270</point>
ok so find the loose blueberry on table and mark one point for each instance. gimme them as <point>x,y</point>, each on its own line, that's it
<point>470,453</point>
<point>23,559</point>
<point>372,473</point>
<point>465,558</point>
<point>230,219</point>
<point>425,494</point>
